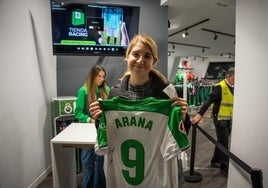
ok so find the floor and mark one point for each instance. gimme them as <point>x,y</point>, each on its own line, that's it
<point>48,182</point>
<point>210,177</point>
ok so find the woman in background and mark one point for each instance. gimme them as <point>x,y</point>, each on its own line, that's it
<point>94,88</point>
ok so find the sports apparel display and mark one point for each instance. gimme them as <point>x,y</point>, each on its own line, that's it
<point>142,139</point>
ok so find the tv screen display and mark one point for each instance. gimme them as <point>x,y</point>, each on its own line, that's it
<point>217,70</point>
<point>92,28</point>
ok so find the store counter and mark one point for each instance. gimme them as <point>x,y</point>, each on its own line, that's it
<point>76,135</point>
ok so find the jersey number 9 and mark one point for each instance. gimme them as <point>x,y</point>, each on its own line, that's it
<point>136,161</point>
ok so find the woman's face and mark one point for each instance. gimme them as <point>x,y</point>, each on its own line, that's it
<point>100,78</point>
<point>140,60</point>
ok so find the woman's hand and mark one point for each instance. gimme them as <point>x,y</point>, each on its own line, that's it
<point>95,110</point>
<point>182,103</point>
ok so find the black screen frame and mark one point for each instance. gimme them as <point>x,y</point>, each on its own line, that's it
<point>217,70</point>
<point>80,42</point>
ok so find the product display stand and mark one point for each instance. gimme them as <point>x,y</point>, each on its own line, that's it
<point>184,157</point>
<point>189,175</point>
<point>62,112</point>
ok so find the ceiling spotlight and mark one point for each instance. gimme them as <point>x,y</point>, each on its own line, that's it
<point>185,34</point>
<point>215,36</point>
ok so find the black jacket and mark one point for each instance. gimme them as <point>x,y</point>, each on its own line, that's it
<point>122,88</point>
<point>215,98</point>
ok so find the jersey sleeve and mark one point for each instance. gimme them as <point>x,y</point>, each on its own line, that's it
<point>175,139</point>
<point>101,145</point>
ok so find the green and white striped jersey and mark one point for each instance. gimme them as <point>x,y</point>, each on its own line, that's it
<point>142,139</point>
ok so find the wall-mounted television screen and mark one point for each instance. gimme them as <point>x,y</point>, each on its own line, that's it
<point>86,28</point>
<point>217,70</point>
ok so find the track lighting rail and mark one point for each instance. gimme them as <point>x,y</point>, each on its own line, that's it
<point>192,45</point>
<point>218,32</point>
<point>187,28</point>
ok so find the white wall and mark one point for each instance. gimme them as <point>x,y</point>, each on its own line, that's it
<point>250,126</point>
<point>28,81</point>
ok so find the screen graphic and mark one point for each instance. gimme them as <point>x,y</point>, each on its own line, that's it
<point>92,29</point>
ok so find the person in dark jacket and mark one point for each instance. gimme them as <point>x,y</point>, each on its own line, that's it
<point>222,113</point>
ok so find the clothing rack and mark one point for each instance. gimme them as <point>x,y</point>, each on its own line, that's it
<point>209,81</point>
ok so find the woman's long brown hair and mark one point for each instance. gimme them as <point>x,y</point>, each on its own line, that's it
<point>92,86</point>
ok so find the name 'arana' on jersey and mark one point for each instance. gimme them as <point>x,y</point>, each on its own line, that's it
<point>134,121</point>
